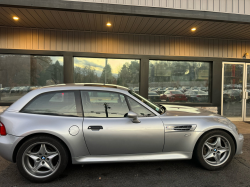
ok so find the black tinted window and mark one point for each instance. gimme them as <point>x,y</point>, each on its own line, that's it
<point>100,104</point>
<point>54,103</point>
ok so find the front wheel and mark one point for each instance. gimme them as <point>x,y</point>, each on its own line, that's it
<point>215,150</point>
<point>42,159</point>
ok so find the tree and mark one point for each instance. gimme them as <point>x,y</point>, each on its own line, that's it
<point>107,76</point>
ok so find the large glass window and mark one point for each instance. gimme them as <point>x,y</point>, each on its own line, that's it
<point>20,74</point>
<point>179,81</point>
<point>123,72</point>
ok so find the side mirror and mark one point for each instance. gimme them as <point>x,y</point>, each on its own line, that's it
<point>134,117</point>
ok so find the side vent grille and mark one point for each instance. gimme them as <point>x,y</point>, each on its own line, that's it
<point>183,128</point>
<point>176,128</point>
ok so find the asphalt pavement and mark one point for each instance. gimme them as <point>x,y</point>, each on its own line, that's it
<point>167,173</point>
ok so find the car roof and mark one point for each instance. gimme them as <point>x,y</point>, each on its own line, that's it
<point>87,84</point>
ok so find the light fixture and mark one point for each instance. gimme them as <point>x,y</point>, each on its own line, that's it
<point>193,29</point>
<point>16,18</point>
<point>245,55</point>
<point>108,24</point>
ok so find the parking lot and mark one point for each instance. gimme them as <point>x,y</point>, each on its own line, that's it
<point>168,173</point>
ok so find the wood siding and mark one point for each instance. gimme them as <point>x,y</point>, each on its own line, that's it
<point>226,6</point>
<point>101,42</point>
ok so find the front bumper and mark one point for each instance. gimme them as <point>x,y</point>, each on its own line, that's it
<point>240,144</point>
<point>7,146</point>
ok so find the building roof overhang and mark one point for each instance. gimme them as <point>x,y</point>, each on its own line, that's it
<point>125,19</point>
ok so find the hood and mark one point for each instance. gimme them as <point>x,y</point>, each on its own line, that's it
<point>176,110</point>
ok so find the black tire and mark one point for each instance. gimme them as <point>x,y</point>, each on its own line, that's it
<point>63,153</point>
<point>198,151</point>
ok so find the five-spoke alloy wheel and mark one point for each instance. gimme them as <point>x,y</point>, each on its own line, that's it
<point>214,150</point>
<point>42,159</point>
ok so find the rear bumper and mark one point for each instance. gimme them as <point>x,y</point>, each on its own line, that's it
<point>7,146</point>
<point>240,141</point>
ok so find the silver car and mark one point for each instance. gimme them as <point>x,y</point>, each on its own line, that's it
<point>92,123</point>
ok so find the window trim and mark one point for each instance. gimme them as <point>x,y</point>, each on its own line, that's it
<point>79,113</point>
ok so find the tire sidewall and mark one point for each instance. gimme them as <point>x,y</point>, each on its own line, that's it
<point>46,139</point>
<point>198,149</point>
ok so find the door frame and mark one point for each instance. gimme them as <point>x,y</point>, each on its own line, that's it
<point>245,118</point>
<point>242,118</point>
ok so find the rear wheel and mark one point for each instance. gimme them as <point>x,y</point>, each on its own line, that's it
<point>42,159</point>
<point>215,150</point>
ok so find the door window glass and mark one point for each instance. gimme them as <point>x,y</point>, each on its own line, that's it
<point>100,104</point>
<point>139,109</point>
<point>53,103</point>
<point>232,90</point>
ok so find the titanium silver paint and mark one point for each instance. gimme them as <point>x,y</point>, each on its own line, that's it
<point>143,141</point>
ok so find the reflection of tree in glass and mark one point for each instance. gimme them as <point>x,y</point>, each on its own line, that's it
<point>28,70</point>
<point>45,72</point>
<point>129,74</point>
<point>107,76</point>
<point>86,75</point>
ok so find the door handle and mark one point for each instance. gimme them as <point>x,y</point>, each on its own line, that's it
<point>95,127</point>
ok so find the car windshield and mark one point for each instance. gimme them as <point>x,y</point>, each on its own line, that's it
<point>147,102</point>
<point>176,92</point>
<point>152,93</point>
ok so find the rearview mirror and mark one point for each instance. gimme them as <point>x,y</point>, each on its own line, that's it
<point>134,117</point>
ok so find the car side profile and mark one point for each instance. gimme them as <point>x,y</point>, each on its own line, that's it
<point>94,123</point>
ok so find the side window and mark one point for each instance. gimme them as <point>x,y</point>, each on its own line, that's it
<point>101,104</point>
<point>54,103</point>
<point>139,109</point>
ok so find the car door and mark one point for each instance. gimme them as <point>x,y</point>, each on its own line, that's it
<point>108,131</point>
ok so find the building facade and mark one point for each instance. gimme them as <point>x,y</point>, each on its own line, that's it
<point>188,52</point>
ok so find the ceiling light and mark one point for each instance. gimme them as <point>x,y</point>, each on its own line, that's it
<point>108,24</point>
<point>16,18</point>
<point>193,29</point>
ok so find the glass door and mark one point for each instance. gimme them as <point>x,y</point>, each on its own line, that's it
<point>233,97</point>
<point>247,93</point>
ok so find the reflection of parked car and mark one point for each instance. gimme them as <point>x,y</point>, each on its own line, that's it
<point>154,97</point>
<point>136,90</point>
<point>14,90</point>
<point>161,90</point>
<point>205,89</point>
<point>197,96</point>
<point>6,90</point>
<point>232,95</point>
<point>173,96</point>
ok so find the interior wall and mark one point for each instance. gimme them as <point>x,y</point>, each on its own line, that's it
<point>77,41</point>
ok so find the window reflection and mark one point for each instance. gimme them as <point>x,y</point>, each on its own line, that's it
<point>179,81</point>
<point>232,91</point>
<point>20,74</point>
<point>124,72</point>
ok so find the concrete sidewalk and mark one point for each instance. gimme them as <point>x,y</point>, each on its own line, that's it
<point>244,127</point>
